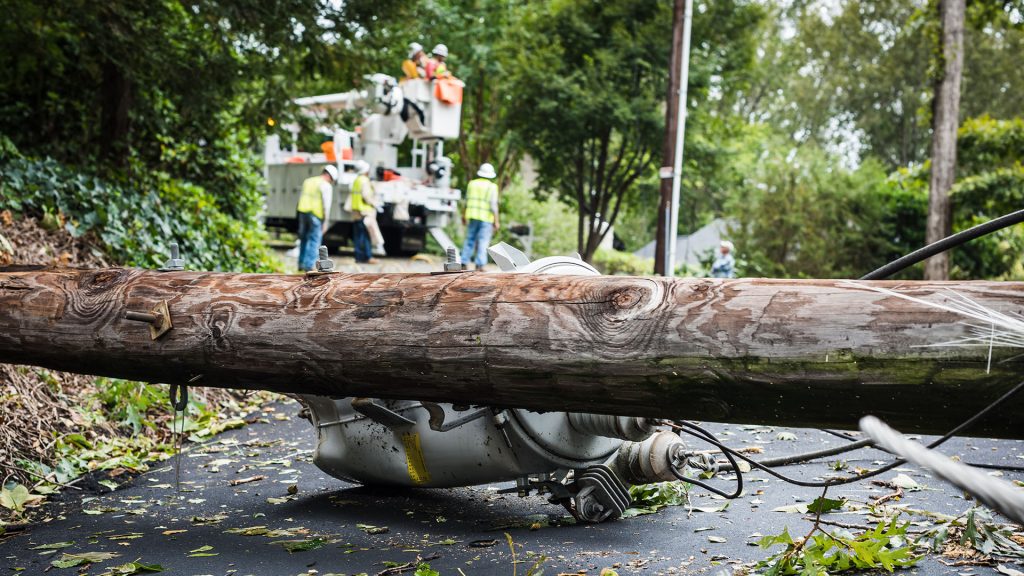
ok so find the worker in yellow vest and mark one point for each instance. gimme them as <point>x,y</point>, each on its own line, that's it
<point>314,211</point>
<point>481,215</point>
<point>360,209</point>
<point>413,67</point>
<point>435,67</point>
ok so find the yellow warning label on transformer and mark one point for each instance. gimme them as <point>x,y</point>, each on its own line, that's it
<point>414,458</point>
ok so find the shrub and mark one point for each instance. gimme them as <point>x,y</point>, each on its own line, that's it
<point>613,262</point>
<point>135,221</point>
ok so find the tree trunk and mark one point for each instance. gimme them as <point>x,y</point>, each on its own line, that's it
<point>117,97</point>
<point>945,121</point>
<point>668,152</point>
<point>776,352</point>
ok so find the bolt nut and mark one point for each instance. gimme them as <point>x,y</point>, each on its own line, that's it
<point>175,262</point>
<point>452,263</point>
<point>324,264</point>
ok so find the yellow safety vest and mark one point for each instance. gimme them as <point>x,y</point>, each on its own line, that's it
<point>312,201</point>
<point>357,194</point>
<point>479,195</point>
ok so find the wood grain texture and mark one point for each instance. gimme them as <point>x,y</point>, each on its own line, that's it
<point>809,353</point>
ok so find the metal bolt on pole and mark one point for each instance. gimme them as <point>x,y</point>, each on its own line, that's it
<point>175,263</point>
<point>452,263</point>
<point>324,264</point>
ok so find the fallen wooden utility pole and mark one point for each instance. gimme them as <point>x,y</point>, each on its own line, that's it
<point>778,352</point>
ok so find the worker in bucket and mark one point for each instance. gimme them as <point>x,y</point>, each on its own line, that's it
<point>481,215</point>
<point>414,66</point>
<point>724,265</point>
<point>436,67</point>
<point>361,209</point>
<point>313,212</point>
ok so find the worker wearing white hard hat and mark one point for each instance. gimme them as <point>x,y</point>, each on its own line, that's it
<point>314,211</point>
<point>481,215</point>
<point>724,265</point>
<point>362,204</point>
<point>436,66</point>
<point>413,67</point>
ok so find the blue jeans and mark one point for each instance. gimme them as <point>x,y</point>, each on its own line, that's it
<point>478,236</point>
<point>311,232</point>
<point>361,242</point>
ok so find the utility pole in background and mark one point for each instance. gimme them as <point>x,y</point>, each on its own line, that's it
<point>668,148</point>
<point>668,210</point>
<point>945,121</point>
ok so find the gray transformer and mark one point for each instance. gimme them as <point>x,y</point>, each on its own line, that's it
<point>584,462</point>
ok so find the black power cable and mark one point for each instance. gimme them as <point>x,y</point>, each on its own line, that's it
<point>889,269</point>
<point>945,244</point>
<point>710,438</point>
<point>701,433</point>
<point>899,265</point>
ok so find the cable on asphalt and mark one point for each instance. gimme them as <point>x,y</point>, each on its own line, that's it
<point>992,492</point>
<point>683,426</point>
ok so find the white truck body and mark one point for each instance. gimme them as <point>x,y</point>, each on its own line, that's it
<point>419,199</point>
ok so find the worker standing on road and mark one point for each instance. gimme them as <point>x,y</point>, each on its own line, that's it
<point>314,210</point>
<point>359,208</point>
<point>724,265</point>
<point>481,215</point>
<point>436,67</point>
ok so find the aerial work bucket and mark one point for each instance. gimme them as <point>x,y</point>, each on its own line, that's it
<point>449,90</point>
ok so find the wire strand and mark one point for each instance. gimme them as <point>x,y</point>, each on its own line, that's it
<point>701,433</point>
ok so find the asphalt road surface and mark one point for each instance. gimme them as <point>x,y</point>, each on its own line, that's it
<point>212,527</point>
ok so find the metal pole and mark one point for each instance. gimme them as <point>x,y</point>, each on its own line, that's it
<point>662,236</point>
<point>677,168</point>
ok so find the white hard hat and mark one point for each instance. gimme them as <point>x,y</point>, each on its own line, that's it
<point>332,172</point>
<point>415,47</point>
<point>486,171</point>
<point>362,167</point>
<point>440,50</point>
<point>727,245</point>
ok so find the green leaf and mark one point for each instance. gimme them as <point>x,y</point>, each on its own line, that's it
<point>54,546</point>
<point>769,541</point>
<point>371,529</point>
<point>15,498</point>
<point>423,569</point>
<point>70,560</point>
<point>301,545</point>
<point>824,505</point>
<point>131,568</point>
<point>250,531</point>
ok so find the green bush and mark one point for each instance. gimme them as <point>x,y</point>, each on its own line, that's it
<point>615,263</point>
<point>135,221</point>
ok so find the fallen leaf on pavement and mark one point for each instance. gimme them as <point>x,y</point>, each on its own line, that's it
<point>71,560</point>
<point>246,480</point>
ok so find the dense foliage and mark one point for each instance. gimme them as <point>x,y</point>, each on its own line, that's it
<point>808,122</point>
<point>134,221</point>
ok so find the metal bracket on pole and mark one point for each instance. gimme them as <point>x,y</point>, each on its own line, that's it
<point>159,319</point>
<point>381,414</point>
